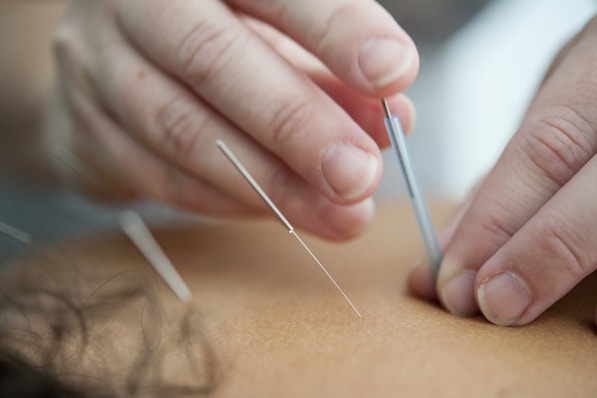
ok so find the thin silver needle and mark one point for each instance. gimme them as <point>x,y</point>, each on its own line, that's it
<point>326,273</point>
<point>134,227</point>
<point>15,233</point>
<point>417,200</point>
<point>237,164</point>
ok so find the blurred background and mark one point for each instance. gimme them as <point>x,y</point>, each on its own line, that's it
<point>481,61</point>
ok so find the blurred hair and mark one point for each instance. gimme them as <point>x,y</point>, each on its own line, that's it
<point>42,329</point>
<point>20,379</point>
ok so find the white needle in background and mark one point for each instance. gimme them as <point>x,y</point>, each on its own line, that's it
<point>15,233</point>
<point>133,226</point>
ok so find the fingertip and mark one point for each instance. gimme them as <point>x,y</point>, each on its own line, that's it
<point>388,65</point>
<point>504,298</point>
<point>420,281</point>
<point>457,294</point>
<point>350,172</point>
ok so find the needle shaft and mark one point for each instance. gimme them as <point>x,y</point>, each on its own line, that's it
<point>237,164</point>
<point>245,173</point>
<point>325,271</point>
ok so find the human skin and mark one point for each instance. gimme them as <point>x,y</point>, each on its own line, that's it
<point>145,88</point>
<point>273,325</point>
<point>527,234</point>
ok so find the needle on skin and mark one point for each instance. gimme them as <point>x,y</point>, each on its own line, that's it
<point>247,176</point>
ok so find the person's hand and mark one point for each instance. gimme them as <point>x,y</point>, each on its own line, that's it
<point>146,87</point>
<point>528,233</point>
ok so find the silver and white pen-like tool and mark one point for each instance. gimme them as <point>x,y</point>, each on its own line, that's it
<point>242,170</point>
<point>417,200</point>
<point>133,226</point>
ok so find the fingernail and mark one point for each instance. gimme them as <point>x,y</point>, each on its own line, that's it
<point>504,298</point>
<point>382,60</point>
<point>459,294</point>
<point>350,171</point>
<point>348,221</point>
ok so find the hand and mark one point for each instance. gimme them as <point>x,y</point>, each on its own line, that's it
<point>528,234</point>
<point>146,87</point>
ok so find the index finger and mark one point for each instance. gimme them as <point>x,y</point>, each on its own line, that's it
<point>358,40</point>
<point>205,45</point>
<point>555,141</point>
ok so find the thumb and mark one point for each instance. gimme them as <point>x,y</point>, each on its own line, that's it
<point>528,229</point>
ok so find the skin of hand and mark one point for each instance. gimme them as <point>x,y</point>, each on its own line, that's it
<point>526,235</point>
<point>146,87</point>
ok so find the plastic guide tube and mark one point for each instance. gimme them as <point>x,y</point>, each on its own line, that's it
<point>415,195</point>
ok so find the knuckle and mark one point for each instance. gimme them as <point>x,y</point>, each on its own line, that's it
<point>327,36</point>
<point>497,225</point>
<point>560,146</point>
<point>179,127</point>
<point>64,43</point>
<point>203,49</point>
<point>74,68</point>
<point>558,242</point>
<point>288,120</point>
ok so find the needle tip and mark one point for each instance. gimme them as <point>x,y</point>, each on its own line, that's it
<point>386,108</point>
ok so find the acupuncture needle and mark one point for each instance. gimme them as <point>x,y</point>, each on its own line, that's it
<point>415,195</point>
<point>133,226</point>
<point>247,176</point>
<point>15,233</point>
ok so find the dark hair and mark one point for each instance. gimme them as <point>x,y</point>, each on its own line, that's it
<point>20,379</point>
<point>42,319</point>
